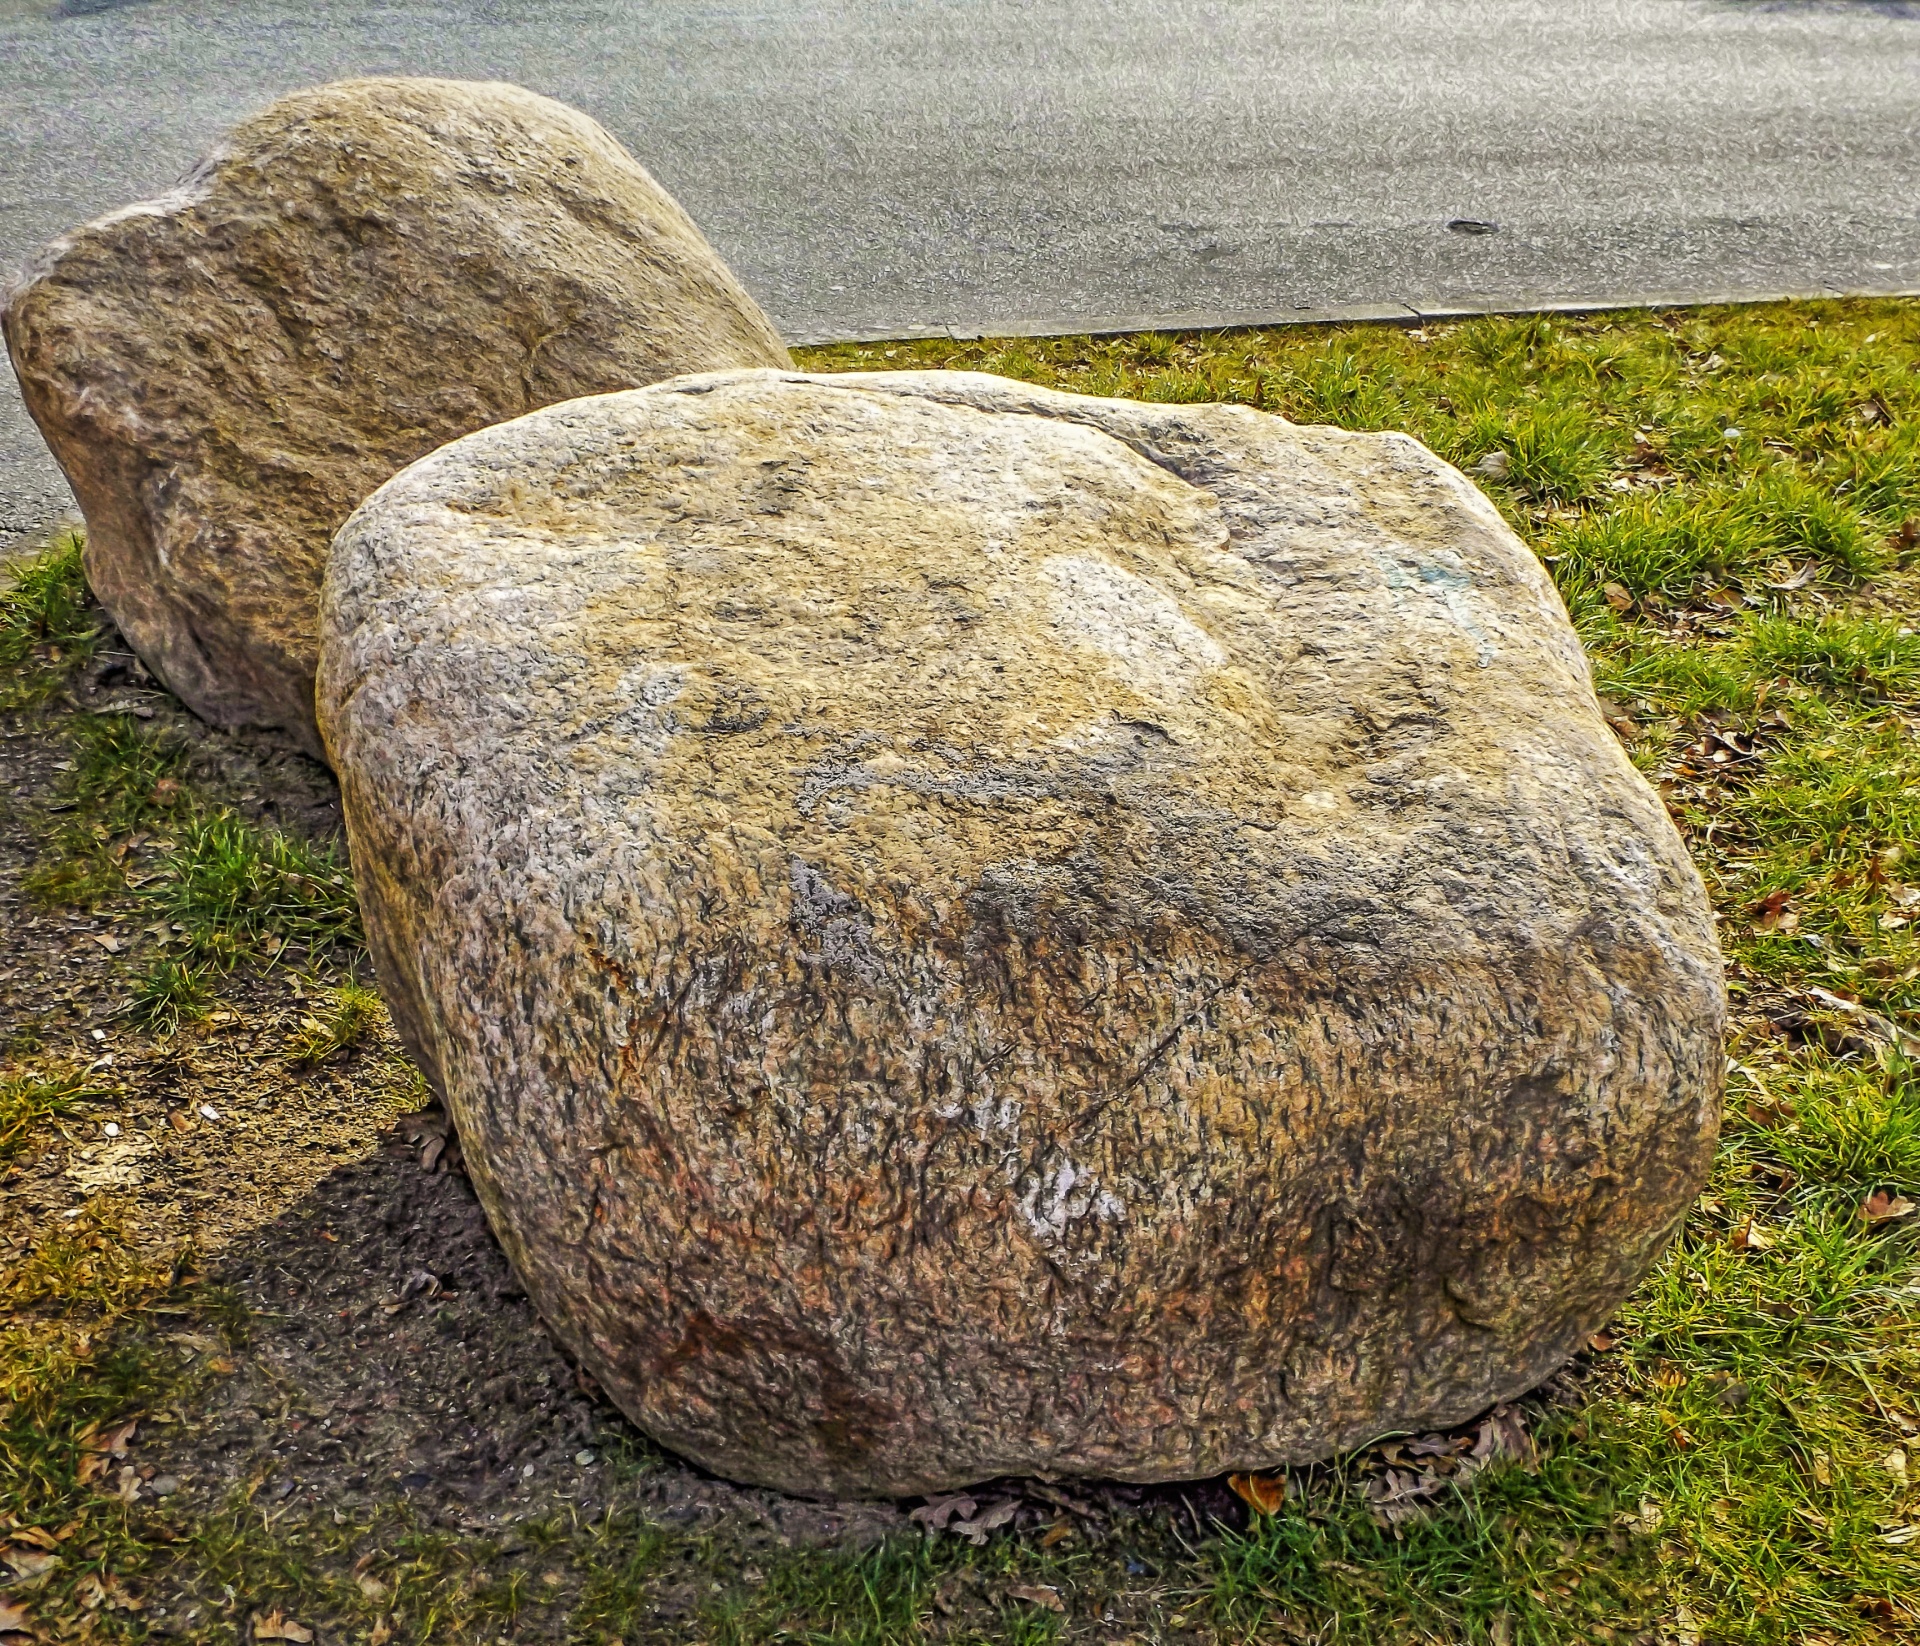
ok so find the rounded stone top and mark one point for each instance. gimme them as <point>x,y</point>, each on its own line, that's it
<point>974,930</point>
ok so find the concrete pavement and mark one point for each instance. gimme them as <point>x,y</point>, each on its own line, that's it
<point>879,169</point>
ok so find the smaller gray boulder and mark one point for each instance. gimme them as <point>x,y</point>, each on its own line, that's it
<point>355,276</point>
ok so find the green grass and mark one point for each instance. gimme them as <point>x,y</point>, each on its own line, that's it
<point>234,886</point>
<point>46,623</point>
<point>340,1018</point>
<point>28,1100</point>
<point>170,992</point>
<point>231,886</point>
<point>1730,504</point>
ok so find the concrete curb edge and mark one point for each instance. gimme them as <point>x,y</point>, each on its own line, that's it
<point>1394,314</point>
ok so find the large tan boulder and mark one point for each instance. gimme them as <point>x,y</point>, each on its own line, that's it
<point>355,276</point>
<point>971,930</point>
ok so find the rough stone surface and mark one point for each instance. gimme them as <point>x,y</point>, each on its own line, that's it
<point>972,930</point>
<point>359,274</point>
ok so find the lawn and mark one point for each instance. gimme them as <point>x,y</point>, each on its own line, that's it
<point>1729,502</point>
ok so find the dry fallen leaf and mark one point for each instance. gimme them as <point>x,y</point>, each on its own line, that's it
<point>937,1511</point>
<point>1400,1495</point>
<point>276,1627</point>
<point>1038,1594</point>
<point>372,1587</point>
<point>1440,1445</point>
<point>1504,1434</point>
<point>1883,1207</point>
<point>1895,1463</point>
<point>1264,1494</point>
<point>1623,723</point>
<point>107,1591</point>
<point>1686,1628</point>
<point>1800,579</point>
<point>1872,1024</point>
<point>1750,1237</point>
<point>1618,598</point>
<point>113,1441</point>
<point>975,1530</point>
<point>15,1619</point>
<point>1822,1467</point>
<point>1062,1500</point>
<point>1057,1533</point>
<point>29,1566</point>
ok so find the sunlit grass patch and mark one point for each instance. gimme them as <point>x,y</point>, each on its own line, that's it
<point>1671,680</point>
<point>1765,1390</point>
<point>46,625</point>
<point>338,1020</point>
<point>1680,543</point>
<point>1840,653</point>
<point>1834,830</point>
<point>232,884</point>
<point>1549,1554</point>
<point>168,993</point>
<point>124,776</point>
<point>862,1598</point>
<point>70,1363</point>
<point>29,1098</point>
<point>1555,454</point>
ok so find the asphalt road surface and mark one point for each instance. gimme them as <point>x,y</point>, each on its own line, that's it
<point>878,169</point>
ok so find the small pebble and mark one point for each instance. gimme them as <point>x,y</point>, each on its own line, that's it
<point>165,1486</point>
<point>209,1112</point>
<point>583,1458</point>
<point>111,1128</point>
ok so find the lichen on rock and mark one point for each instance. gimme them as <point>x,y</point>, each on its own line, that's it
<point>356,275</point>
<point>972,930</point>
